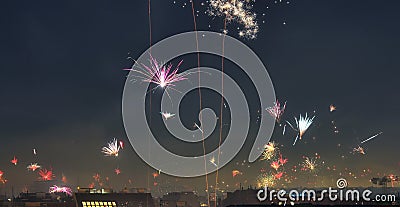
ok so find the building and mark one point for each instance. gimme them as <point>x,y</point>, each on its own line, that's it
<point>40,199</point>
<point>241,197</point>
<point>180,199</point>
<point>84,199</point>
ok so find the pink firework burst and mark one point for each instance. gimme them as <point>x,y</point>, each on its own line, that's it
<point>14,161</point>
<point>117,171</point>
<point>97,177</point>
<point>158,73</point>
<point>46,175</point>
<point>276,111</point>
<point>57,189</point>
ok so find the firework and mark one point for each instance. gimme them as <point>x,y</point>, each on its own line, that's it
<point>236,11</point>
<point>34,151</point>
<point>275,165</point>
<point>212,160</point>
<point>265,180</point>
<point>33,166</point>
<point>57,189</point>
<point>281,160</point>
<point>277,111</point>
<point>117,171</point>
<point>372,137</point>
<point>14,161</point>
<point>112,149</point>
<point>96,177</point>
<point>64,178</point>
<point>309,164</point>
<point>2,180</point>
<point>121,144</point>
<point>335,129</point>
<point>155,174</point>
<point>359,150</point>
<point>278,175</point>
<point>332,108</point>
<point>167,115</point>
<point>284,129</point>
<point>197,126</point>
<point>302,125</point>
<point>160,74</point>
<point>46,175</point>
<point>269,151</point>
<point>236,173</point>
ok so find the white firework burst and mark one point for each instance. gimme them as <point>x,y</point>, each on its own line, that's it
<point>112,148</point>
<point>167,115</point>
<point>302,124</point>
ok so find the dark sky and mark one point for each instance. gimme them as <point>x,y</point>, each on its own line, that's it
<point>62,81</point>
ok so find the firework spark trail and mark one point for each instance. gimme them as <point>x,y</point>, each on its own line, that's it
<point>236,11</point>
<point>200,100</point>
<point>221,109</point>
<point>112,148</point>
<point>212,160</point>
<point>372,137</point>
<point>302,125</point>
<point>284,129</point>
<point>121,144</point>
<point>276,111</point>
<point>150,99</point>
<point>197,126</point>
<point>57,189</point>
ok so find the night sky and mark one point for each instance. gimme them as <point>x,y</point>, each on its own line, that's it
<point>62,82</point>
